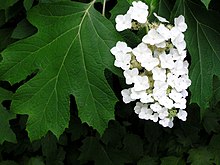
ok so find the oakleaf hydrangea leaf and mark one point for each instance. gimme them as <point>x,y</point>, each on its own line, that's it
<point>70,53</point>
<point>203,38</point>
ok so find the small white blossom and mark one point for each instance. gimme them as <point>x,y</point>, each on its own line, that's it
<point>139,11</point>
<point>145,113</point>
<point>120,48</point>
<point>181,104</point>
<point>164,31</point>
<point>179,22</point>
<point>138,106</point>
<point>184,93</point>
<point>159,74</point>
<point>166,61</point>
<point>137,94</point>
<point>154,117</point>
<point>166,122</point>
<point>130,75</point>
<point>123,61</point>
<point>182,115</point>
<point>161,19</point>
<point>150,63</point>
<point>163,113</point>
<point>142,53</point>
<point>176,96</point>
<point>156,107</point>
<point>172,79</point>
<point>146,98</point>
<point>126,94</point>
<point>141,83</point>
<point>180,68</point>
<point>153,37</point>
<point>166,102</point>
<point>182,83</point>
<point>123,22</point>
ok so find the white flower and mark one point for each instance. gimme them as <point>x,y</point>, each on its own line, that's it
<point>174,32</point>
<point>182,115</point>
<point>176,96</point>
<point>130,75</point>
<point>145,113</point>
<point>184,93</point>
<point>150,63</point>
<point>153,37</point>
<point>156,107</point>
<point>123,61</point>
<point>176,55</point>
<point>166,102</point>
<point>161,19</point>
<point>137,94</point>
<point>141,83</point>
<point>164,31</point>
<point>181,104</point>
<point>166,122</point>
<point>120,48</point>
<point>172,79</point>
<point>123,22</point>
<point>180,23</point>
<point>159,74</point>
<point>154,117</point>
<point>142,52</point>
<point>139,11</point>
<point>177,38</point>
<point>182,83</point>
<point>161,85</point>
<point>158,93</point>
<point>138,106</point>
<point>180,68</point>
<point>146,98</point>
<point>163,113</point>
<point>166,60</point>
<point>126,94</point>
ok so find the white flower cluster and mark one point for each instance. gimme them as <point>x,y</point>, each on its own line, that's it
<point>156,68</point>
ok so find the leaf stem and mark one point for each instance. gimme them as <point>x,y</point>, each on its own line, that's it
<point>103,8</point>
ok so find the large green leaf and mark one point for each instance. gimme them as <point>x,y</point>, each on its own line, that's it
<point>203,38</point>
<point>70,53</point>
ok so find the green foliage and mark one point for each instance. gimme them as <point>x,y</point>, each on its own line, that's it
<point>45,98</point>
<point>58,87</point>
<point>202,36</point>
<point>28,4</point>
<point>6,4</point>
<point>172,160</point>
<point>6,133</point>
<point>200,156</point>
